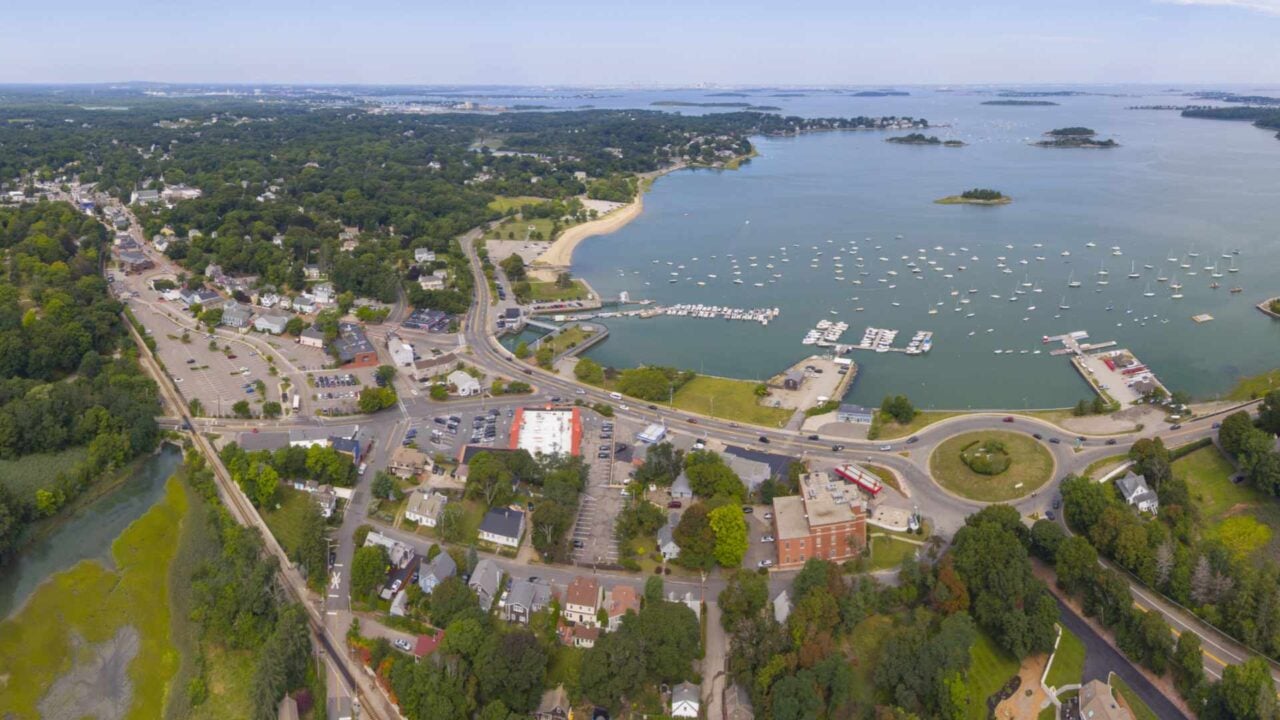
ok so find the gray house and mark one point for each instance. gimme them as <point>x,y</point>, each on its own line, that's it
<point>273,324</point>
<point>485,581</point>
<point>431,574</point>
<point>236,315</point>
<point>1136,493</point>
<point>524,599</point>
<point>849,413</point>
<point>666,538</point>
<point>681,489</point>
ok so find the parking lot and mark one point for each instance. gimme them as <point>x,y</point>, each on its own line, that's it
<point>337,392</point>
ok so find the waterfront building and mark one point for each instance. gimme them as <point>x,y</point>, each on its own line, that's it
<point>856,414</point>
<point>826,520</point>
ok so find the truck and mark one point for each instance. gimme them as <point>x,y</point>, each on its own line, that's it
<point>297,403</point>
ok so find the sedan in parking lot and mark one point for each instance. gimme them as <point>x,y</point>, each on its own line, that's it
<point>764,564</point>
<point>766,538</point>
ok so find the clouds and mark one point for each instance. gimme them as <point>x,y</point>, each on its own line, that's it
<point>1270,7</point>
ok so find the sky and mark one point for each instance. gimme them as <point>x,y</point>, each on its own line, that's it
<point>649,42</point>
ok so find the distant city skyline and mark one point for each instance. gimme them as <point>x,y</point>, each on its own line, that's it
<point>569,42</point>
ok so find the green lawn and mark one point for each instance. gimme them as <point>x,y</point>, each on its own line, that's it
<point>888,552</point>
<point>90,603</point>
<point>1138,708</point>
<point>472,514</point>
<point>518,229</point>
<point>229,675</point>
<point>29,473</point>
<point>885,474</point>
<point>1068,661</point>
<point>1239,515</point>
<point>503,203</point>
<point>1098,468</point>
<point>570,337</point>
<point>1255,386</point>
<point>863,650</point>
<point>883,428</point>
<point>1031,467</point>
<point>286,520</point>
<point>728,399</point>
<point>1048,713</point>
<point>989,669</point>
<point>548,291</point>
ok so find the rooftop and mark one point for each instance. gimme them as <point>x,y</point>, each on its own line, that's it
<point>504,522</point>
<point>547,431</point>
<point>821,501</point>
<point>583,591</point>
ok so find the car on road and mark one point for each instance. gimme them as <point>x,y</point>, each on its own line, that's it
<point>1057,502</point>
<point>764,439</point>
<point>692,421</point>
<point>1037,436</point>
<point>177,379</point>
<point>1055,441</point>
<point>191,361</point>
<point>652,407</point>
<point>1111,441</point>
<point>1176,426</point>
<point>231,357</point>
<point>747,509</point>
<point>886,448</point>
<point>395,586</point>
<point>764,564</point>
<point>1007,418</point>
<point>579,391</point>
<point>913,440</point>
<point>837,448</point>
<point>1215,426</point>
<point>403,644</point>
<point>1050,514</point>
<point>675,505</point>
<point>814,437</point>
<point>767,516</point>
<point>766,538</point>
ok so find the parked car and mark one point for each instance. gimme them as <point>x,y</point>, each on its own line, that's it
<point>1050,514</point>
<point>403,644</point>
<point>766,538</point>
<point>1176,426</point>
<point>675,505</point>
<point>767,516</point>
<point>747,509</point>
<point>1037,436</point>
<point>1057,502</point>
<point>764,564</point>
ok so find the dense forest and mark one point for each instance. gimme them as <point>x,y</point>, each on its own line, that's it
<point>1267,118</point>
<point>68,374</point>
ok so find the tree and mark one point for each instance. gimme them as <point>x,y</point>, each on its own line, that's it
<point>1247,690</point>
<point>489,478</point>
<point>268,482</point>
<point>1046,537</point>
<point>439,393</point>
<point>1151,460</point>
<point>564,281</point>
<point>1188,664</point>
<point>1083,502</point>
<point>544,355</point>
<point>295,326</point>
<point>313,548</point>
<point>662,464</point>
<point>510,668</point>
<point>271,409</point>
<point>709,477</point>
<point>241,409</point>
<point>384,486</point>
<point>1269,412</point>
<point>1076,563</point>
<point>373,399</point>
<point>653,589</point>
<point>695,537</point>
<point>1235,427</point>
<point>385,373</point>
<point>899,408</point>
<point>730,529</point>
<point>522,350</point>
<point>452,600</point>
<point>588,371</point>
<point>195,407</point>
<point>368,570</point>
<point>744,596</point>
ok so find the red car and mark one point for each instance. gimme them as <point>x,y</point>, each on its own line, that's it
<point>1008,418</point>
<point>675,505</point>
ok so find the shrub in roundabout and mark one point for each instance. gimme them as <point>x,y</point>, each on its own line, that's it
<point>986,458</point>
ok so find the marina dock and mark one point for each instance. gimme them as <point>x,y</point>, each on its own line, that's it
<point>1114,374</point>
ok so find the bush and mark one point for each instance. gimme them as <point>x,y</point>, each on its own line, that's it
<point>986,458</point>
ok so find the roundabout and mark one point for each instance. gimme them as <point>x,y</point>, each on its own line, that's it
<point>991,465</point>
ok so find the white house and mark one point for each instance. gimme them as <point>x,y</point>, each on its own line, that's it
<point>274,324</point>
<point>503,526</point>
<point>582,600</point>
<point>465,384</point>
<point>424,508</point>
<point>401,352</point>
<point>324,293</point>
<point>424,255</point>
<point>430,282</point>
<point>685,700</point>
<point>666,538</point>
<point>1136,493</point>
<point>311,337</point>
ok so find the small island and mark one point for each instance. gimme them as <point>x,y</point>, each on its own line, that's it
<point>1075,137</point>
<point>976,196</point>
<point>922,139</point>
<point>736,105</point>
<point>879,93</point>
<point>1020,103</point>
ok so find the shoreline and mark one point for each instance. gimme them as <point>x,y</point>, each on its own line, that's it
<point>559,254</point>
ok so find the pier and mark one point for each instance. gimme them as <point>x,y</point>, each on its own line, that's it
<point>1114,374</point>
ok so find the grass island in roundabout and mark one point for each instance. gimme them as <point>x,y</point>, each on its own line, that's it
<point>991,465</point>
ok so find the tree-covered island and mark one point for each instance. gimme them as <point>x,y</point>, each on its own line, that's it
<point>976,196</point>
<point>1075,137</point>
<point>922,139</point>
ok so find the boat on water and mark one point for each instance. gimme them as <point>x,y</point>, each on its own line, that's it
<point>1071,280</point>
<point>1235,290</point>
<point>1148,292</point>
<point>1133,271</point>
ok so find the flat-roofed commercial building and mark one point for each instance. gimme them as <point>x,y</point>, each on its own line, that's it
<point>547,431</point>
<point>827,520</point>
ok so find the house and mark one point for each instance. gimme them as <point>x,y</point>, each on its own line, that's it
<point>399,553</point>
<point>144,197</point>
<point>311,337</point>
<point>432,321</point>
<point>273,324</point>
<point>1133,488</point>
<point>353,348</point>
<point>430,282</point>
<point>401,352</point>
<point>782,607</point>
<point>303,303</point>
<point>132,262</point>
<point>425,508</point>
<point>689,600</point>
<point>856,414</point>
<point>685,700</point>
<point>406,462</point>
<point>752,473</point>
<point>525,598</point>
<point>681,489</point>
<point>427,368</point>
<point>793,380</point>
<point>424,255</point>
<point>465,385</point>
<point>204,297</point>
<point>427,644</point>
<point>621,600</point>
<point>502,526</point>
<point>174,193</point>
<point>327,499</point>
<point>582,601</point>
<point>236,315</point>
<point>437,570</point>
<point>554,705</point>
<point>579,636</point>
<point>821,522</point>
<point>347,446</point>
<point>1097,703</point>
<point>324,293</point>
<point>485,582</point>
<point>311,272</point>
<point>666,538</point>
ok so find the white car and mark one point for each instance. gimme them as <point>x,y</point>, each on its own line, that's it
<point>886,448</point>
<point>403,644</point>
<point>766,538</point>
<point>764,564</point>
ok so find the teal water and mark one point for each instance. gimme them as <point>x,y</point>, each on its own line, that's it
<point>1175,186</point>
<point>89,533</point>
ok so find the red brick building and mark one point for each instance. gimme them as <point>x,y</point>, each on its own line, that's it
<point>827,520</point>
